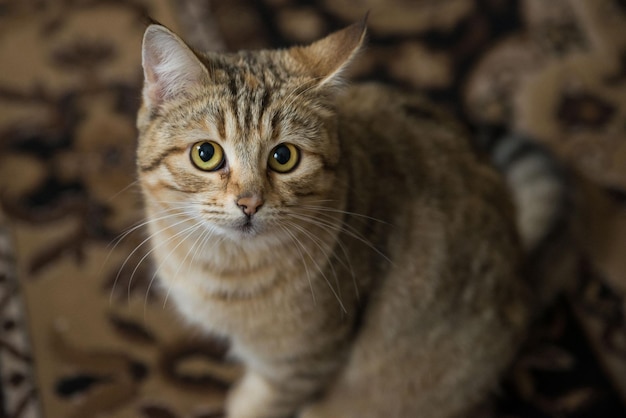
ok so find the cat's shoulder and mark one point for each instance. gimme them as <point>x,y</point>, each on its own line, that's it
<point>380,98</point>
<point>380,111</point>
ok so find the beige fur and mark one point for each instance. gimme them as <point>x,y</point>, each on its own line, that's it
<point>379,278</point>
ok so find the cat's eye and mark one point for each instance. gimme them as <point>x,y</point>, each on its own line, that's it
<point>284,158</point>
<point>207,155</point>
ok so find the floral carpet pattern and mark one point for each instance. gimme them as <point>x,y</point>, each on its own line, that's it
<point>85,331</point>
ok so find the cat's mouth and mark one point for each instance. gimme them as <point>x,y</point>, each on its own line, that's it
<point>248,227</point>
<point>239,228</point>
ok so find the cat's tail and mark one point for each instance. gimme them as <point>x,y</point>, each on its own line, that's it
<point>543,194</point>
<point>539,187</point>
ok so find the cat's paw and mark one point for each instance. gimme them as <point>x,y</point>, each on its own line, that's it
<point>255,397</point>
<point>249,397</point>
<point>316,411</point>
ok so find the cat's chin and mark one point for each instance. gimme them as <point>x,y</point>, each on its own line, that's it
<point>248,230</point>
<point>244,230</point>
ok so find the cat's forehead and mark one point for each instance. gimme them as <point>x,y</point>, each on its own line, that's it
<point>264,69</point>
<point>254,94</point>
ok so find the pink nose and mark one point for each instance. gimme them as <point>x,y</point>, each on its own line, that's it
<point>250,204</point>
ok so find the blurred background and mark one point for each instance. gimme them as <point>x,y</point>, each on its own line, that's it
<point>83,330</point>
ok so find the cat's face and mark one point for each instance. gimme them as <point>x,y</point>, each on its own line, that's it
<point>241,143</point>
<point>239,170</point>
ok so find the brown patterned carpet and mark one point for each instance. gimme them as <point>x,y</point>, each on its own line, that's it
<point>83,333</point>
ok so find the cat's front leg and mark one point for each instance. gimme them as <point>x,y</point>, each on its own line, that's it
<point>281,386</point>
<point>252,395</point>
<point>257,397</point>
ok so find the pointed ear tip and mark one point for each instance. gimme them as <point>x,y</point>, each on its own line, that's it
<point>360,28</point>
<point>155,28</point>
<point>156,35</point>
<point>363,22</point>
<point>153,39</point>
<point>151,31</point>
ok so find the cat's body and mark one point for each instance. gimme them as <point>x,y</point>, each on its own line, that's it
<point>376,277</point>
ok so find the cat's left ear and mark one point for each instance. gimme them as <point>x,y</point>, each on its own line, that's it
<point>327,58</point>
<point>170,67</point>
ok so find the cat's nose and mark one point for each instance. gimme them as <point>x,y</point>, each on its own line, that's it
<point>250,204</point>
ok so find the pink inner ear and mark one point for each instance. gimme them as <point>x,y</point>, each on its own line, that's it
<point>170,66</point>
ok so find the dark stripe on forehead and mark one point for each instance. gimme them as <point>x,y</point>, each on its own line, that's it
<point>220,120</point>
<point>252,102</point>
<point>275,125</point>
<point>271,70</point>
<point>156,162</point>
<point>261,101</point>
<point>233,89</point>
<point>247,106</point>
<point>232,85</point>
<point>265,100</point>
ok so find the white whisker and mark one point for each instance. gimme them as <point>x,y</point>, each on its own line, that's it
<point>125,188</point>
<point>299,247</point>
<point>343,212</point>
<point>138,247</point>
<point>190,231</point>
<point>333,230</point>
<point>346,229</point>
<point>319,268</point>
<point>154,247</point>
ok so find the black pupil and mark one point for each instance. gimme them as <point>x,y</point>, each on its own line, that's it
<point>282,154</point>
<point>206,151</point>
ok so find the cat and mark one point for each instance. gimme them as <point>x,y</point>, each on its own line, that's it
<point>358,254</point>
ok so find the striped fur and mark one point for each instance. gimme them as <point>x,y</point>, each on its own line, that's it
<point>546,211</point>
<point>378,278</point>
<point>538,184</point>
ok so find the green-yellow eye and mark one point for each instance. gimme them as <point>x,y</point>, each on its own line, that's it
<point>284,158</point>
<point>207,155</point>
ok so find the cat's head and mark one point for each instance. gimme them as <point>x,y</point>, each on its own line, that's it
<point>240,140</point>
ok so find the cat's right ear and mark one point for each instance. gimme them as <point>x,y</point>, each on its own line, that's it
<point>170,67</point>
<point>327,58</point>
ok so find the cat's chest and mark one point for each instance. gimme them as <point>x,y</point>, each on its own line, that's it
<point>231,303</point>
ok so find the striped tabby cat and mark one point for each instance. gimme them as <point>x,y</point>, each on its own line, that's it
<point>348,242</point>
